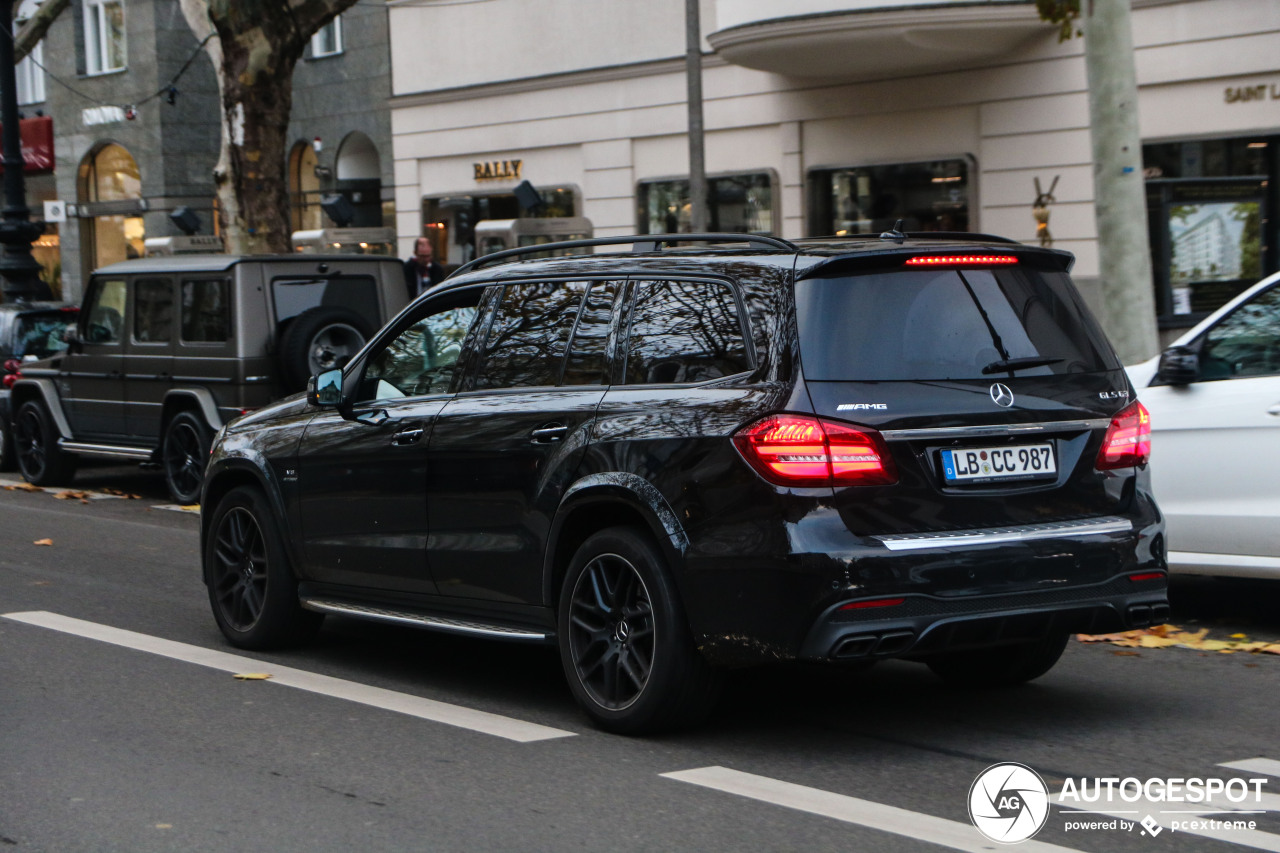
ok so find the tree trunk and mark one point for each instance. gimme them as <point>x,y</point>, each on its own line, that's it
<point>259,42</point>
<point>1124,249</point>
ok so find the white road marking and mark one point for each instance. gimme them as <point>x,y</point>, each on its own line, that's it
<point>1269,766</point>
<point>18,484</point>
<point>376,697</point>
<point>194,509</point>
<point>922,827</point>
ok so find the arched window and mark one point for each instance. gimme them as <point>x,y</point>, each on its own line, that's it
<point>359,178</point>
<point>110,174</point>
<point>304,188</point>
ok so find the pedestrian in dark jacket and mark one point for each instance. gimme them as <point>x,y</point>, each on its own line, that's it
<point>421,271</point>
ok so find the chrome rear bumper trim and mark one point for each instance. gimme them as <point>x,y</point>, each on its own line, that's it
<point>997,535</point>
<point>992,431</point>
<point>437,623</point>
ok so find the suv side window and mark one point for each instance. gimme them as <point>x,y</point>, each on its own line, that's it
<point>530,334</point>
<point>684,332</point>
<point>1246,342</point>
<point>206,311</point>
<point>104,314</point>
<point>423,358</point>
<point>152,310</point>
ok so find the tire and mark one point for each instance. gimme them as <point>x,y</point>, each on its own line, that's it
<point>317,340</point>
<point>184,452</point>
<point>35,442</point>
<point>252,590</point>
<point>1003,666</point>
<point>8,455</point>
<point>624,642</point>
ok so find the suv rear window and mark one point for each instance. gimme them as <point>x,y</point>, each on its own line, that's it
<point>946,324</point>
<point>39,334</point>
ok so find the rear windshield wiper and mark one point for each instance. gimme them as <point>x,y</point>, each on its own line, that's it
<point>1012,364</point>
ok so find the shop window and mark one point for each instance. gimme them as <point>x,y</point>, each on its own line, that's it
<point>738,204</point>
<point>111,174</point>
<point>450,221</point>
<point>104,43</point>
<point>305,213</point>
<point>1208,204</point>
<point>328,39</point>
<point>927,196</point>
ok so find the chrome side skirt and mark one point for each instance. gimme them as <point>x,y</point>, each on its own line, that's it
<point>109,451</point>
<point>998,535</point>
<point>436,623</point>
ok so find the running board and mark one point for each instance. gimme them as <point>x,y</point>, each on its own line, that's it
<point>470,627</point>
<point>110,451</point>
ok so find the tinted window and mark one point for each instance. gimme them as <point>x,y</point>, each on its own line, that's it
<point>105,313</point>
<point>152,310</point>
<point>684,331</point>
<point>358,293</point>
<point>946,324</point>
<point>586,363</point>
<point>206,313</point>
<point>1246,342</point>
<point>423,359</point>
<point>529,335</point>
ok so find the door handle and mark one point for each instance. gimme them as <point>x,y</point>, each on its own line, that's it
<point>1274,410</point>
<point>410,435</point>
<point>549,433</point>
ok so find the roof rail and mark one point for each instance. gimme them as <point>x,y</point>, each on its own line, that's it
<point>919,235</point>
<point>639,243</point>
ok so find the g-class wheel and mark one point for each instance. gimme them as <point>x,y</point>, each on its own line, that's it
<point>624,642</point>
<point>35,440</point>
<point>183,454</point>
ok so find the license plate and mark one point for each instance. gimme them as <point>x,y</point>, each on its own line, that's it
<point>987,464</point>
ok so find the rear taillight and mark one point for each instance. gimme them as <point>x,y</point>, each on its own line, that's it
<point>801,450</point>
<point>12,372</point>
<point>1128,439</point>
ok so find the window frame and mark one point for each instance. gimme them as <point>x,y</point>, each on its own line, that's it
<point>98,41</point>
<point>493,300</point>
<point>621,346</point>
<point>317,51</point>
<point>1202,340</point>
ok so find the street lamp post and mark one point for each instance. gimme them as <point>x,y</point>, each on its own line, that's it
<point>20,271</point>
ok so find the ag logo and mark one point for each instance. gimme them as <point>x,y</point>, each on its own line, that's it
<point>1008,803</point>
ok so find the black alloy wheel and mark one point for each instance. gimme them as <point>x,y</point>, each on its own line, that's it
<point>252,590</point>
<point>624,642</point>
<point>184,454</point>
<point>35,441</point>
<point>611,631</point>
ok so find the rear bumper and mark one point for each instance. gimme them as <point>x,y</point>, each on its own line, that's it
<point>925,625</point>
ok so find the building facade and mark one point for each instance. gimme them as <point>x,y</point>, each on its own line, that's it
<point>135,110</point>
<point>837,116</point>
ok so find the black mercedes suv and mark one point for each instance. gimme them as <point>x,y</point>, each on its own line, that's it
<point>676,459</point>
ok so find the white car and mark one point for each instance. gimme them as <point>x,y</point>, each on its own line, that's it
<point>1214,398</point>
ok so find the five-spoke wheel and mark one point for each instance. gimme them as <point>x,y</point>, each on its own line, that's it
<point>252,590</point>
<point>624,642</point>
<point>35,440</point>
<point>183,453</point>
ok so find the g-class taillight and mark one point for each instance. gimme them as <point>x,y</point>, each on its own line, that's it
<point>12,372</point>
<point>801,450</point>
<point>1128,439</point>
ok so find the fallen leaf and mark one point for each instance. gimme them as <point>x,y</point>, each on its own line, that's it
<point>83,497</point>
<point>1152,641</point>
<point>1122,653</point>
<point>120,494</point>
<point>1239,636</point>
<point>24,487</point>
<point>252,676</point>
<point>43,542</point>
<point>1271,649</point>
<point>191,508</point>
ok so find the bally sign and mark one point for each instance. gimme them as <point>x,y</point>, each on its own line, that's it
<point>37,144</point>
<point>498,170</point>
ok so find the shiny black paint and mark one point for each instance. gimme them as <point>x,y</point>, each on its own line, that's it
<point>762,570</point>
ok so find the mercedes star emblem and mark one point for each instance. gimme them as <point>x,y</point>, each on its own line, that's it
<point>1001,395</point>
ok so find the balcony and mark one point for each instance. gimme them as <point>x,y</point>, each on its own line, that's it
<point>872,39</point>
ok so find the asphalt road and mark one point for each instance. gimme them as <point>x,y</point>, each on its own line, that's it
<point>120,731</point>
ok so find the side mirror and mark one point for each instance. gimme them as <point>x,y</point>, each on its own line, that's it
<point>1179,366</point>
<point>326,389</point>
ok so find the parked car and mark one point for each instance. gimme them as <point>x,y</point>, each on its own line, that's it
<point>671,462</point>
<point>1214,397</point>
<point>167,349</point>
<point>28,331</point>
